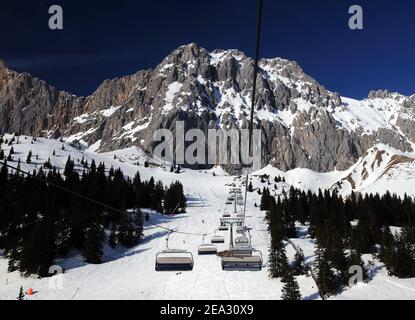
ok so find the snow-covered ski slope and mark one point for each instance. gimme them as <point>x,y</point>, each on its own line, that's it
<point>130,274</point>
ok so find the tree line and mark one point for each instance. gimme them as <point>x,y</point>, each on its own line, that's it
<point>39,221</point>
<point>343,230</point>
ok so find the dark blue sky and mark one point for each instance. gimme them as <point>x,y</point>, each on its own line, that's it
<point>107,39</point>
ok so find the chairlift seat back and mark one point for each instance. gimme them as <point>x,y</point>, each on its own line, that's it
<point>206,249</point>
<point>217,239</point>
<point>174,260</point>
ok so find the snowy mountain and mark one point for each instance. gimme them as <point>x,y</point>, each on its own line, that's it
<point>304,125</point>
<point>382,168</point>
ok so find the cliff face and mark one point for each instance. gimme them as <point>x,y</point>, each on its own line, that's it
<point>303,124</point>
<point>31,106</point>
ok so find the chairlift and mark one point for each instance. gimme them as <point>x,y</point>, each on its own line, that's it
<point>217,239</point>
<point>223,228</point>
<point>241,241</point>
<point>240,229</point>
<point>174,259</point>
<point>243,259</point>
<point>206,248</point>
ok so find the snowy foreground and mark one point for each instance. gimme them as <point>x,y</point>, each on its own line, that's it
<point>130,274</point>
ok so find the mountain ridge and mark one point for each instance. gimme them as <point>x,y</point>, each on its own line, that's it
<point>304,124</point>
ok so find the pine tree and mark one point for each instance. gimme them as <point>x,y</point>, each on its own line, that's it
<point>250,187</point>
<point>21,295</point>
<point>403,259</point>
<point>1,155</point>
<point>278,261</point>
<point>299,267</point>
<point>130,230</point>
<point>282,267</point>
<point>112,241</point>
<point>174,198</point>
<point>93,245</point>
<point>29,157</point>
<point>326,279</point>
<point>291,290</point>
<point>47,164</point>
<point>387,247</point>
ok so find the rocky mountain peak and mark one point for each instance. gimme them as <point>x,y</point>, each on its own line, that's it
<point>385,94</point>
<point>3,69</point>
<point>304,124</point>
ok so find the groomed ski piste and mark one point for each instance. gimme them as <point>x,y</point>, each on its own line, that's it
<point>130,273</point>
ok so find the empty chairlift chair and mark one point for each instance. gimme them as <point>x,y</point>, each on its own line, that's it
<point>206,248</point>
<point>242,259</point>
<point>174,259</point>
<point>241,241</point>
<point>217,239</point>
<point>240,229</point>
<point>223,228</point>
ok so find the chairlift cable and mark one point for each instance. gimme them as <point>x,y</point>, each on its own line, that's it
<point>91,199</point>
<point>251,123</point>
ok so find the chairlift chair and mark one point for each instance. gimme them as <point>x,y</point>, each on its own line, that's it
<point>174,259</point>
<point>243,259</point>
<point>241,241</point>
<point>217,239</point>
<point>223,228</point>
<point>206,248</point>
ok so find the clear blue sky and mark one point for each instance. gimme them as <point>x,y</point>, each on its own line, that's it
<point>107,39</point>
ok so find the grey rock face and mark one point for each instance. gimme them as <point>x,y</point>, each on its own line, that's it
<point>298,117</point>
